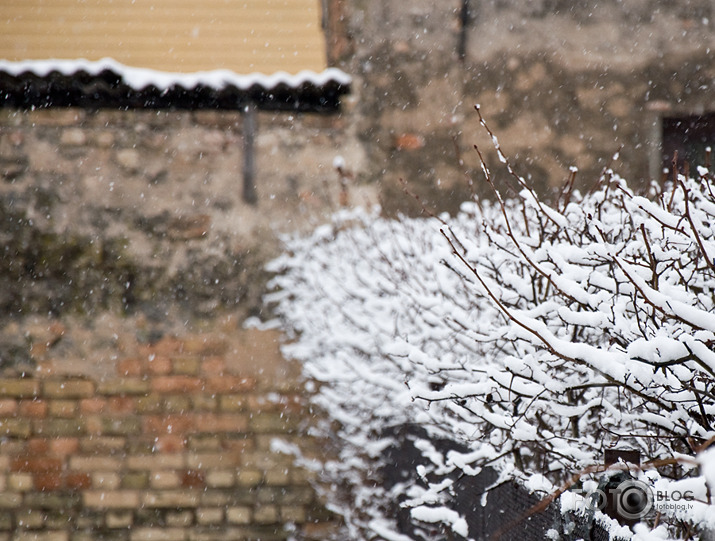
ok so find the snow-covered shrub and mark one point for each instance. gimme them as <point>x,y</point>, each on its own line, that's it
<point>535,335</point>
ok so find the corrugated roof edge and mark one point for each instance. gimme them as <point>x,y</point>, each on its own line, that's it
<point>140,78</point>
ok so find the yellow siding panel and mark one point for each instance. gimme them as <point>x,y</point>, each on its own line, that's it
<point>244,36</point>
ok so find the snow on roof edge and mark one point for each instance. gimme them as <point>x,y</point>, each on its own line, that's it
<point>139,78</point>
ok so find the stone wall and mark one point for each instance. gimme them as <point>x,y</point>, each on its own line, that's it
<point>142,208</point>
<point>561,83</point>
<point>172,440</point>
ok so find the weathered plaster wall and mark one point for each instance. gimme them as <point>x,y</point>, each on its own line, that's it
<point>562,83</point>
<point>141,209</point>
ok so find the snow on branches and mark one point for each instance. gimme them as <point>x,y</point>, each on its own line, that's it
<point>535,335</point>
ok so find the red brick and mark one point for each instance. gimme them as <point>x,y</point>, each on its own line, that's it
<point>213,366</point>
<point>66,409</point>
<point>238,445</point>
<point>38,446</point>
<point>92,405</point>
<point>8,407</point>
<point>121,404</point>
<point>35,409</point>
<point>409,141</point>
<point>129,367</point>
<point>168,424</point>
<point>176,384</point>
<point>47,481</point>
<point>170,443</point>
<point>159,365</point>
<point>78,481</point>
<point>36,465</point>
<point>229,384</point>
<point>193,479</point>
<point>64,446</point>
<point>168,345</point>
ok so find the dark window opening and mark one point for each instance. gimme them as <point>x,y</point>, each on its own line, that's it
<point>690,136</point>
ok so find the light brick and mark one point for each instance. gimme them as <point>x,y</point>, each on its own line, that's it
<point>272,422</point>
<point>60,427</point>
<point>124,426</point>
<point>181,519</point>
<point>205,442</point>
<point>220,478</point>
<point>12,500</point>
<point>249,478</point>
<point>278,476</point>
<point>171,499</point>
<point>177,404</point>
<point>62,408</point>
<point>203,402</point>
<point>158,534</point>
<point>238,515</point>
<point>16,428</point>
<point>156,462</point>
<point>68,389</point>
<point>95,463</point>
<point>207,516</point>
<point>186,365</point>
<point>293,513</point>
<point>20,482</point>
<point>124,386</point>
<point>119,519</point>
<point>135,480</point>
<point>107,480</point>
<point>19,388</point>
<point>232,402</point>
<point>266,514</point>
<point>53,535</point>
<point>205,461</point>
<point>102,444</point>
<point>164,479</point>
<point>151,403</point>
<point>120,499</point>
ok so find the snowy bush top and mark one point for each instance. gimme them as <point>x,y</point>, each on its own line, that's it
<point>535,335</point>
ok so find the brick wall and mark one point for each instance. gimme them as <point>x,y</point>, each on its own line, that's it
<point>172,442</point>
